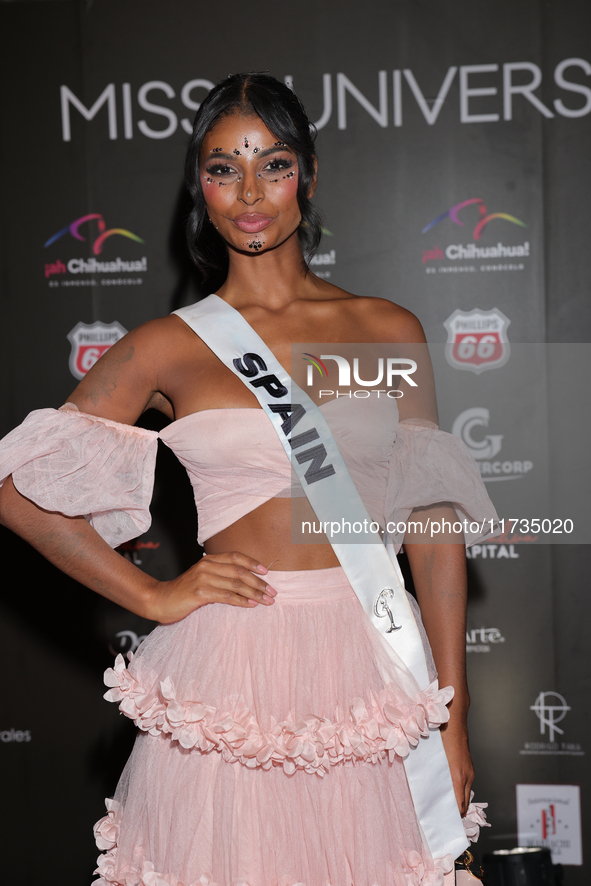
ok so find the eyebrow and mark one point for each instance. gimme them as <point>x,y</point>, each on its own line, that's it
<point>274,149</point>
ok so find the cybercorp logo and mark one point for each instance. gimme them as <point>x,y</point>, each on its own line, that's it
<point>468,426</point>
<point>477,417</point>
<point>477,340</point>
<point>550,708</point>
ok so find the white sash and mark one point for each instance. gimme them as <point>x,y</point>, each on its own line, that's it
<point>375,578</point>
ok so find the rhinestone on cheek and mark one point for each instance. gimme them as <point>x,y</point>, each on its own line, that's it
<point>289,175</point>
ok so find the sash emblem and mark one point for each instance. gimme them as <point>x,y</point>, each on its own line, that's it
<point>381,608</point>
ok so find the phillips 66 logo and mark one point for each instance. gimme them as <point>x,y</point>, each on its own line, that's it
<point>89,342</point>
<point>477,340</point>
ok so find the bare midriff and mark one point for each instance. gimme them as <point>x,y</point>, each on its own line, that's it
<point>266,535</point>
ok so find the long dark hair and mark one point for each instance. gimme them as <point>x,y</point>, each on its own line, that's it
<point>284,116</point>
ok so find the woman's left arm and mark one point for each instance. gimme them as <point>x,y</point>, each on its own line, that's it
<point>438,570</point>
<point>439,575</point>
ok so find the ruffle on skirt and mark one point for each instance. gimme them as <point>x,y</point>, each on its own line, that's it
<point>143,873</point>
<point>287,691</point>
<point>107,830</point>
<point>268,830</point>
<point>339,708</point>
<point>388,723</point>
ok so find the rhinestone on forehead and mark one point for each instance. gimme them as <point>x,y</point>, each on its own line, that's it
<point>216,150</point>
<point>236,151</point>
<point>246,142</point>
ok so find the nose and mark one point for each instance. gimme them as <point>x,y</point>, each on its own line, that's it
<point>250,192</point>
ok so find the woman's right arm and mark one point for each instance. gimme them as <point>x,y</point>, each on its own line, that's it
<point>71,544</point>
<point>118,388</point>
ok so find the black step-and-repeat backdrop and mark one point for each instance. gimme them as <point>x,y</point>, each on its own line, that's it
<point>454,178</point>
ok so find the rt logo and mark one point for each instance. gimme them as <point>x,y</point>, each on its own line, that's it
<point>550,708</point>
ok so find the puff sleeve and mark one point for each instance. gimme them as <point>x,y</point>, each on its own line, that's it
<point>429,466</point>
<point>81,465</point>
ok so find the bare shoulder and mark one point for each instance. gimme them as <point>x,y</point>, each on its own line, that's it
<point>383,320</point>
<point>125,381</point>
<point>389,322</point>
<point>158,341</point>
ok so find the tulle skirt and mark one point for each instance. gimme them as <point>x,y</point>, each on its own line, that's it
<point>271,749</point>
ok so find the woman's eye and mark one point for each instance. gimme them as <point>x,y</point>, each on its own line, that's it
<point>279,164</point>
<point>221,170</point>
<point>279,168</point>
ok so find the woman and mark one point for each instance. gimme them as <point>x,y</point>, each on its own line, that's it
<point>241,712</point>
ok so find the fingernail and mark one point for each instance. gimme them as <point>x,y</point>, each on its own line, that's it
<point>253,603</point>
<point>271,590</point>
<point>261,568</point>
<point>268,599</point>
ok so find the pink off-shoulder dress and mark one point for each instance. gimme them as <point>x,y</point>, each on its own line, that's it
<point>271,740</point>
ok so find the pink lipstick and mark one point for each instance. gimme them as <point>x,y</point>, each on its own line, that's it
<point>252,222</point>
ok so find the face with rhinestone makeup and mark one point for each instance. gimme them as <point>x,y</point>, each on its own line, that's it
<point>249,181</point>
